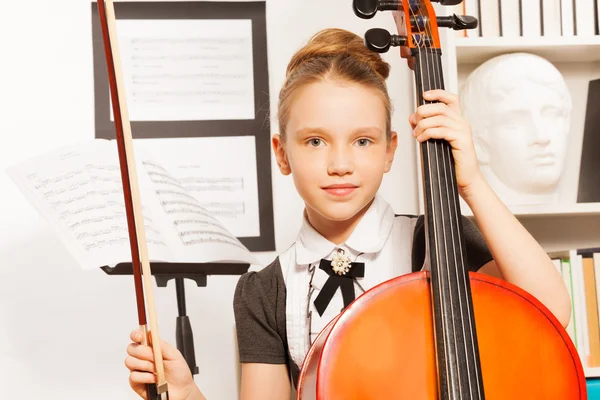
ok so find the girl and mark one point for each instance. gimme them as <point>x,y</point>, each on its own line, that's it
<point>336,140</point>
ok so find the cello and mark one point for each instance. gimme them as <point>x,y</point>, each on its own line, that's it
<point>443,333</point>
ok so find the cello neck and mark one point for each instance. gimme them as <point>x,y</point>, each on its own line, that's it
<point>456,340</point>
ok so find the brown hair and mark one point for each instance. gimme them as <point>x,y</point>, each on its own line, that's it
<point>336,54</point>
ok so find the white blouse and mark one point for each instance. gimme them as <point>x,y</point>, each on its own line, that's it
<point>382,240</point>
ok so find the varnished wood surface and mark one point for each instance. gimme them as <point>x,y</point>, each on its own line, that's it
<point>382,346</point>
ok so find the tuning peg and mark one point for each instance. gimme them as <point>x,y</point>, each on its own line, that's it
<point>367,9</point>
<point>457,22</point>
<point>379,40</point>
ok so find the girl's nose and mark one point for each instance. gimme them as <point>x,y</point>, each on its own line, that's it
<point>340,162</point>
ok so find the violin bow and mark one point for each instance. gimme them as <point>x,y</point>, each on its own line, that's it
<point>133,209</point>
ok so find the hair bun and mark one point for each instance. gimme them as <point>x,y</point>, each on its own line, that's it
<point>335,42</point>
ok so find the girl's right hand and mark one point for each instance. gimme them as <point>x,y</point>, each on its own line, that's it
<point>140,362</point>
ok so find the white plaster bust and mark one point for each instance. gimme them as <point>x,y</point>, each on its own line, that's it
<point>519,108</point>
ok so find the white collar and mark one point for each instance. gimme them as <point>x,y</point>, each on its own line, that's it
<point>369,236</point>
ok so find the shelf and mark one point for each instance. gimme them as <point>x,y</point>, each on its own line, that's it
<point>560,49</point>
<point>591,372</point>
<point>553,210</point>
<point>558,227</point>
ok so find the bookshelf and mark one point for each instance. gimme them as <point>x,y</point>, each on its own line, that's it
<point>567,225</point>
<point>556,226</point>
<point>555,49</point>
<point>560,226</point>
<point>550,210</point>
<point>592,372</point>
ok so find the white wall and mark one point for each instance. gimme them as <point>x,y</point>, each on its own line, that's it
<point>63,332</point>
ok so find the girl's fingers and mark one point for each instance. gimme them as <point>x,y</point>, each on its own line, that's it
<point>136,336</point>
<point>141,352</point>
<point>135,364</point>
<point>430,110</point>
<point>448,98</point>
<point>141,378</point>
<point>434,122</point>
<point>168,351</point>
<point>437,133</point>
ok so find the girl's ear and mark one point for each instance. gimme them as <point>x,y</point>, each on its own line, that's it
<point>280,155</point>
<point>390,151</point>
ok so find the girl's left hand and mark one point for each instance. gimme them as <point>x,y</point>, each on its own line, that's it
<point>444,120</point>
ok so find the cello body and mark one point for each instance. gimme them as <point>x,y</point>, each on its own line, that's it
<point>382,346</point>
<point>444,333</point>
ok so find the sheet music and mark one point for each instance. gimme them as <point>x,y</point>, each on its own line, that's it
<point>201,236</point>
<point>220,173</point>
<point>78,190</point>
<point>187,70</point>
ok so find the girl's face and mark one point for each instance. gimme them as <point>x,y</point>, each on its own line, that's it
<point>336,148</point>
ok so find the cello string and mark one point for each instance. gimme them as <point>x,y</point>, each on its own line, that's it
<point>432,212</point>
<point>440,150</point>
<point>440,236</point>
<point>462,279</point>
<point>435,209</point>
<point>460,273</point>
<point>452,266</point>
<point>444,270</point>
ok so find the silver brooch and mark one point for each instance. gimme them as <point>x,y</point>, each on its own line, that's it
<point>340,263</point>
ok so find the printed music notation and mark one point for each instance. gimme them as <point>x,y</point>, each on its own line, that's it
<point>229,209</point>
<point>200,184</point>
<point>81,196</point>
<point>198,173</point>
<point>187,70</point>
<point>200,226</point>
<point>81,191</point>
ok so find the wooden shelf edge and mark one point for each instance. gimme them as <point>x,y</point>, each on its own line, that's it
<point>541,41</point>
<point>591,372</point>
<point>551,210</point>
<point>561,49</point>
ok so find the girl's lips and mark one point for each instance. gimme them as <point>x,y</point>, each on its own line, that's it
<point>340,190</point>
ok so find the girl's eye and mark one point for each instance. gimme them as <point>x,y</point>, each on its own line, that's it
<point>363,142</point>
<point>314,142</point>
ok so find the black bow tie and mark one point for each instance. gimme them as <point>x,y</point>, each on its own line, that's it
<point>345,282</point>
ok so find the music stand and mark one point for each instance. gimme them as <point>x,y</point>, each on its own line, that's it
<point>198,272</point>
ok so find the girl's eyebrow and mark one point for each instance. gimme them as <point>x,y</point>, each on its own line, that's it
<point>368,129</point>
<point>311,131</point>
<point>323,131</point>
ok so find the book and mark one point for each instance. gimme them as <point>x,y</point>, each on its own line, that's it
<point>551,18</point>
<point>591,304</point>
<point>567,13</point>
<point>531,18</point>
<point>490,18</point>
<point>78,190</point>
<point>510,18</point>
<point>588,190</point>
<point>584,17</point>
<point>472,9</point>
<point>593,388</point>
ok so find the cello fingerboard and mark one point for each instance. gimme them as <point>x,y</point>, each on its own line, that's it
<point>458,364</point>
